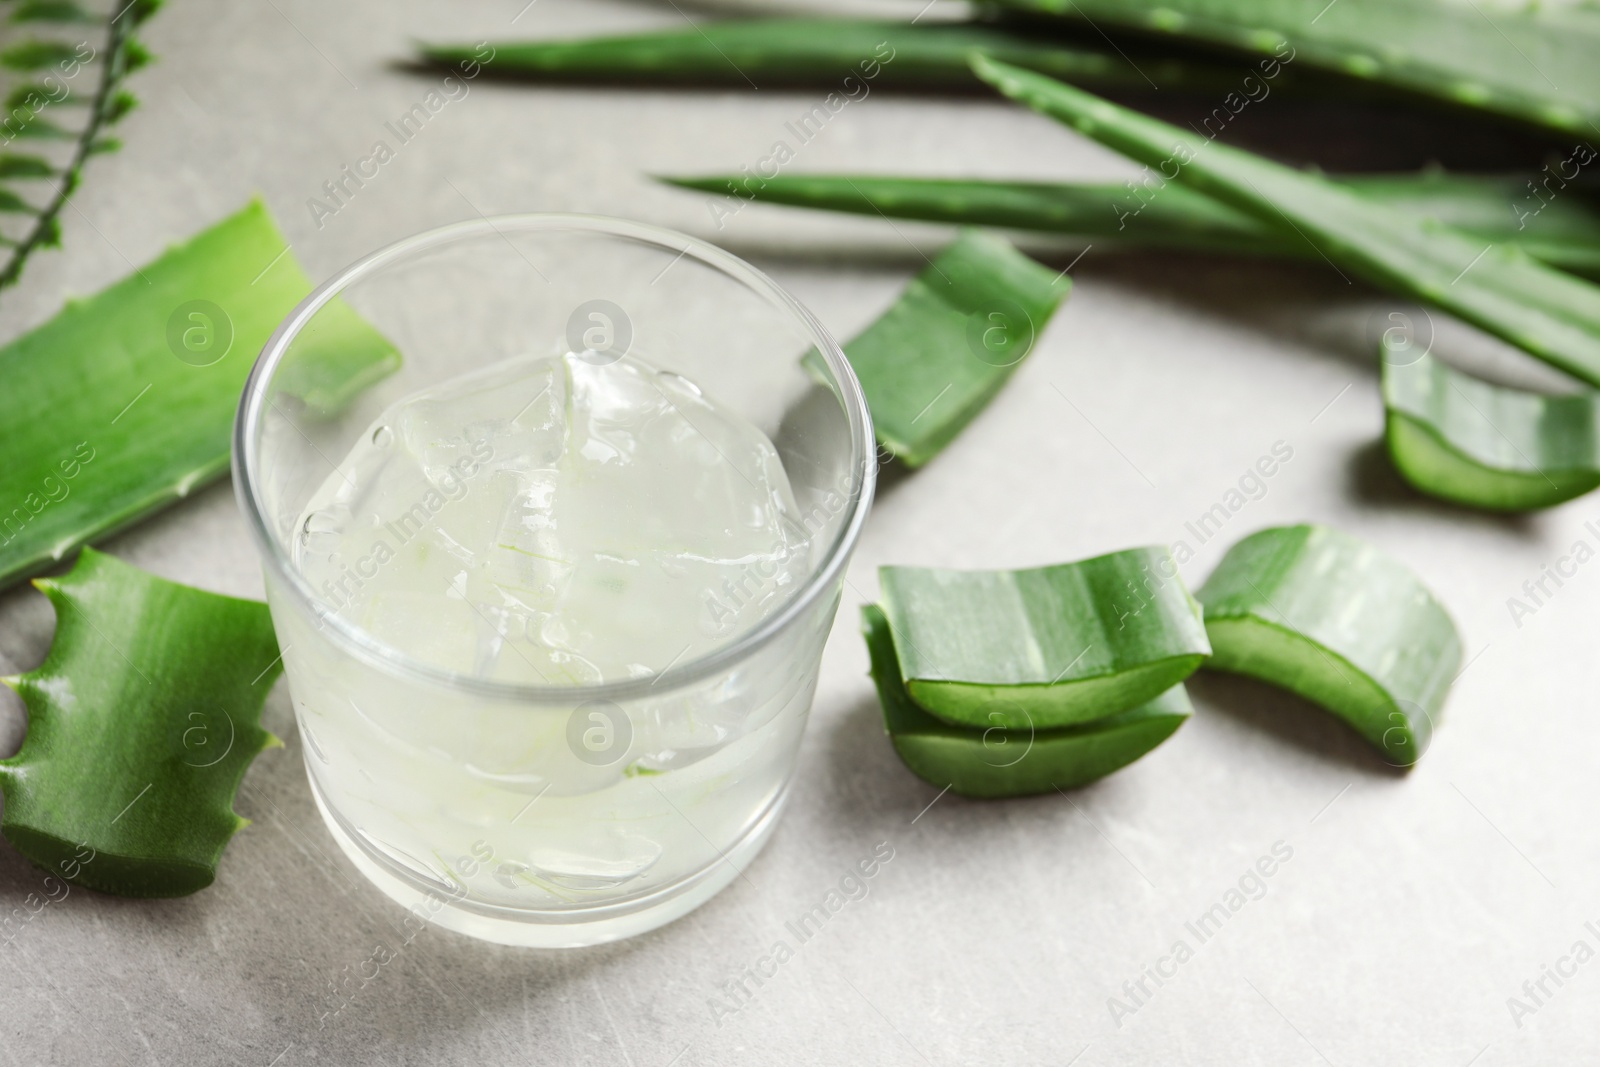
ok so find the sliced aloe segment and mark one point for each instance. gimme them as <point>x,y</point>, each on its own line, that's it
<point>1329,617</point>
<point>1050,646</point>
<point>996,762</point>
<point>124,401</point>
<point>1499,288</point>
<point>957,333</point>
<point>141,723</point>
<point>1563,232</point>
<point>1529,62</point>
<point>847,55</point>
<point>1488,446</point>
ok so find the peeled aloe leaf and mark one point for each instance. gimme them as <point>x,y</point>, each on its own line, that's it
<point>1329,617</point>
<point>124,401</point>
<point>1563,231</point>
<point>996,762</point>
<point>1051,646</point>
<point>1531,62</point>
<point>1499,288</point>
<point>141,723</point>
<point>823,53</point>
<point>1489,446</point>
<point>953,338</point>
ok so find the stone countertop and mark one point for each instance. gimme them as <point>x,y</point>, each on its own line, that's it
<point>1403,910</point>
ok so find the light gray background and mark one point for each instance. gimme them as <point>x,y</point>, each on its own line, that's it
<point>1413,907</point>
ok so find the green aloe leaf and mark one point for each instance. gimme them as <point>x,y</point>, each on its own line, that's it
<point>140,383</point>
<point>1046,647</point>
<point>957,333</point>
<point>1531,62</point>
<point>1487,446</point>
<point>1499,288</point>
<point>141,723</point>
<point>824,52</point>
<point>1562,231</point>
<point>1329,617</point>
<point>996,762</point>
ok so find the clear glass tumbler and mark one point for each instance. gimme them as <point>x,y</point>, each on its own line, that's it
<point>548,815</point>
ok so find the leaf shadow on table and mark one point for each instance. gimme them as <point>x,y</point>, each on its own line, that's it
<point>1288,719</point>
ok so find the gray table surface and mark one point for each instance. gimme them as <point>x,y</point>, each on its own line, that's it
<point>1411,907</point>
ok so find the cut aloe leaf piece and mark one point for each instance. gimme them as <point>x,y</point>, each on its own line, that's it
<point>957,333</point>
<point>139,384</point>
<point>141,723</point>
<point>1329,617</point>
<point>996,762</point>
<point>1498,288</point>
<point>1487,446</point>
<point>1530,62</point>
<point>850,56</point>
<point>1050,646</point>
<point>1563,232</point>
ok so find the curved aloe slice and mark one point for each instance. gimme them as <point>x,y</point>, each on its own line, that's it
<point>1489,446</point>
<point>1331,618</point>
<point>1499,288</point>
<point>957,333</point>
<point>139,384</point>
<point>141,723</point>
<point>1564,233</point>
<point>1051,646</point>
<point>1530,62</point>
<point>823,53</point>
<point>996,762</point>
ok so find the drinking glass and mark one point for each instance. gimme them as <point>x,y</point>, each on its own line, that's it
<point>554,815</point>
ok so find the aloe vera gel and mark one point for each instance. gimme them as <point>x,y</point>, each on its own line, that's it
<point>555,522</point>
<point>552,599</point>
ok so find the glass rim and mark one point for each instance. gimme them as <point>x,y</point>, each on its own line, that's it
<point>246,459</point>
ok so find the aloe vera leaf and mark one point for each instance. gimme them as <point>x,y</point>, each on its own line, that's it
<point>1499,288</point>
<point>1325,615</point>
<point>131,426</point>
<point>1563,232</point>
<point>1487,446</point>
<point>1533,62</point>
<point>997,762</point>
<point>823,52</point>
<point>141,723</point>
<point>956,334</point>
<point>1044,647</point>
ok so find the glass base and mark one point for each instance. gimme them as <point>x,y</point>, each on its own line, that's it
<point>567,928</point>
